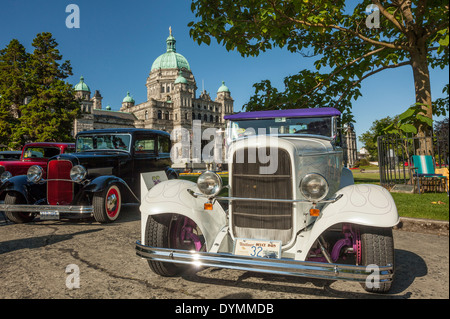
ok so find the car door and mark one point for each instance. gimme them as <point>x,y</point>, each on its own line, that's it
<point>145,157</point>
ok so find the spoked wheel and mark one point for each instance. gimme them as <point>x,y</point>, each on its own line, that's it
<point>107,204</point>
<point>177,232</point>
<point>17,217</point>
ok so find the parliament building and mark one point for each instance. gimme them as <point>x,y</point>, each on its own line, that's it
<point>171,100</point>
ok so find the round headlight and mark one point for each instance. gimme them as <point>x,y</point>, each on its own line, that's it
<point>314,187</point>
<point>209,183</point>
<point>5,176</point>
<point>35,173</point>
<point>77,173</point>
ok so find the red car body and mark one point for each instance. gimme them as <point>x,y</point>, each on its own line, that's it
<point>36,154</point>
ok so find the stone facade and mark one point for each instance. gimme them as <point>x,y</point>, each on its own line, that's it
<point>171,103</point>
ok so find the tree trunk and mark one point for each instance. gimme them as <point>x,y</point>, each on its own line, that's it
<point>422,87</point>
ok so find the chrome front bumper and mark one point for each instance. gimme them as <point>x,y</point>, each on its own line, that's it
<point>266,265</point>
<point>62,209</point>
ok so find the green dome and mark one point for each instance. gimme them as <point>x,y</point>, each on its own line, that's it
<point>223,88</point>
<point>180,79</point>
<point>128,98</point>
<point>82,86</point>
<point>171,59</point>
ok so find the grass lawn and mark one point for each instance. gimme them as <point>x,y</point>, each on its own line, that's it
<point>428,205</point>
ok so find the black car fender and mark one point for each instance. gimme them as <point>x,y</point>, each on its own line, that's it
<point>19,184</point>
<point>101,183</point>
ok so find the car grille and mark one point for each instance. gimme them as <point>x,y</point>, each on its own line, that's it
<point>59,185</point>
<point>262,220</point>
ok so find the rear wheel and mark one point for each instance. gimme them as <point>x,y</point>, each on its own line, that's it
<point>177,232</point>
<point>107,204</point>
<point>17,217</point>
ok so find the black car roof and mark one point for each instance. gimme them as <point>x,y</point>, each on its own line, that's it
<point>124,130</point>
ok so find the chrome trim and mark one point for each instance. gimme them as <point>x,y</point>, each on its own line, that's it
<point>331,200</point>
<point>47,208</point>
<point>281,266</point>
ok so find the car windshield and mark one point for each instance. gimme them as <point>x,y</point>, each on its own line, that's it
<point>103,142</point>
<point>282,125</point>
<point>40,152</point>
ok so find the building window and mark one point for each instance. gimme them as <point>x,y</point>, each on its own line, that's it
<point>146,115</point>
<point>185,116</point>
<point>166,115</point>
<point>211,118</point>
<point>199,116</point>
<point>159,115</point>
<point>205,118</point>
<point>217,119</point>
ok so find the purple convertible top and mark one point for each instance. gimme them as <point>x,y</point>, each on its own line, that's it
<point>318,112</point>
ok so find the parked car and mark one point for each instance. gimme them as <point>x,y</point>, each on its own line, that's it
<point>33,154</point>
<point>95,181</point>
<point>299,215</point>
<point>10,155</point>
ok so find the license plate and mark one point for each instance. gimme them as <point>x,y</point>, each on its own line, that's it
<point>257,248</point>
<point>49,215</point>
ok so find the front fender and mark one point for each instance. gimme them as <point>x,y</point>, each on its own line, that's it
<point>173,197</point>
<point>20,184</point>
<point>100,183</point>
<point>361,204</point>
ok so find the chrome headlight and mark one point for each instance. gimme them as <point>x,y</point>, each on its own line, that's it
<point>314,187</point>
<point>5,176</point>
<point>78,173</point>
<point>35,173</point>
<point>209,183</point>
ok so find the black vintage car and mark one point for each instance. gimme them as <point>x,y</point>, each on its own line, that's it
<point>96,180</point>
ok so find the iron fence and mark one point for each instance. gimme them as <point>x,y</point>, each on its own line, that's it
<point>395,153</point>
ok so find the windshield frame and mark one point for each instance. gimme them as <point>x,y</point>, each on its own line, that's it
<point>232,136</point>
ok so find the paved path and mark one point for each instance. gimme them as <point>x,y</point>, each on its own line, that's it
<point>34,257</point>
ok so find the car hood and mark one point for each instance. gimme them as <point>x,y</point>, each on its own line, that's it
<point>96,156</point>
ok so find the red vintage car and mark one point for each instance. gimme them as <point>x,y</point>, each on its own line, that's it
<point>33,154</point>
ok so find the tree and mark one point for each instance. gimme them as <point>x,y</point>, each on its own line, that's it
<point>14,87</point>
<point>411,32</point>
<point>369,138</point>
<point>51,106</point>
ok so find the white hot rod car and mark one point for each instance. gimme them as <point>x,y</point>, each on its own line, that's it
<point>290,207</point>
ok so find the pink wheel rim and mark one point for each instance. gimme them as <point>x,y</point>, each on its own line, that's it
<point>182,234</point>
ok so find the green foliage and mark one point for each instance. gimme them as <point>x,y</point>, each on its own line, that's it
<point>37,77</point>
<point>409,121</point>
<point>369,138</point>
<point>346,51</point>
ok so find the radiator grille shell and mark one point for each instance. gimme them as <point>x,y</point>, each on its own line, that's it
<point>59,186</point>
<point>262,220</point>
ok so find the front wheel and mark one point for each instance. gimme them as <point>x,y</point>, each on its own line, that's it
<point>377,248</point>
<point>172,231</point>
<point>107,204</point>
<point>17,217</point>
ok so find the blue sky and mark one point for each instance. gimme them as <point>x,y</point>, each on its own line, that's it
<point>118,41</point>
